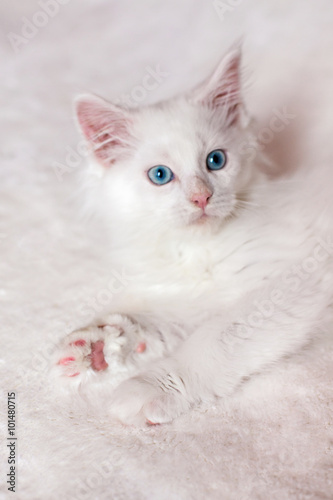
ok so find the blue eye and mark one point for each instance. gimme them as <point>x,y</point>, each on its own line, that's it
<point>160,175</point>
<point>216,159</point>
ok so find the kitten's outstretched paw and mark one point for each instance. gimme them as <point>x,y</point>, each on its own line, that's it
<point>103,348</point>
<point>149,399</point>
<point>83,350</point>
<point>84,354</point>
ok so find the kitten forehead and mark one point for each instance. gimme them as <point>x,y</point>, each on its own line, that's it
<point>168,119</point>
<point>179,134</point>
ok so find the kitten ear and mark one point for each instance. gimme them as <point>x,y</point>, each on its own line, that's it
<point>222,89</point>
<point>105,126</point>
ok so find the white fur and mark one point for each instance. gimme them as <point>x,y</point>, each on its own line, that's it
<point>198,286</point>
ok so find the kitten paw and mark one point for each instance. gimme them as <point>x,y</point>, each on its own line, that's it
<point>150,399</point>
<point>111,347</point>
<point>83,350</point>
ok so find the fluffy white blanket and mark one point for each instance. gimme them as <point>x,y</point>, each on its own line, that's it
<point>273,439</point>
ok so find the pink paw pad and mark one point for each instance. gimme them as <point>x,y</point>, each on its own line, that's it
<point>96,357</point>
<point>68,361</point>
<point>141,347</point>
<point>79,343</point>
<point>98,362</point>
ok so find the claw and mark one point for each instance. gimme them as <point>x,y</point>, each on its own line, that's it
<point>149,422</point>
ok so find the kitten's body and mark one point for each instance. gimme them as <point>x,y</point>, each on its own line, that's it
<point>216,297</point>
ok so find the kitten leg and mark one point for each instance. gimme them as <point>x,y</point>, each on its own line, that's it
<point>212,362</point>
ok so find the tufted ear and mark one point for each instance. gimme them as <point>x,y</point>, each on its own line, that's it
<point>105,126</point>
<point>222,89</point>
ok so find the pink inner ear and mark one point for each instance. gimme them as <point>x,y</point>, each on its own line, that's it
<point>222,89</point>
<point>228,85</point>
<point>104,126</point>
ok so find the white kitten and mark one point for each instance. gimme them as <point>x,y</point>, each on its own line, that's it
<point>232,270</point>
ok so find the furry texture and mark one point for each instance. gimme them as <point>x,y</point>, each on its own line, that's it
<point>213,253</point>
<point>267,437</point>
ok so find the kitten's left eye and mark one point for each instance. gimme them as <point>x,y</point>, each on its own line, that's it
<point>216,159</point>
<point>160,175</point>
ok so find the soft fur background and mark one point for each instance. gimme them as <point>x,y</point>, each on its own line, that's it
<point>273,439</point>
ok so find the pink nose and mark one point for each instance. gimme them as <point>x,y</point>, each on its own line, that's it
<point>201,199</point>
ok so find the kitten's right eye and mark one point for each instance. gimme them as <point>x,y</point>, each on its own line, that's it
<point>160,175</point>
<point>216,159</point>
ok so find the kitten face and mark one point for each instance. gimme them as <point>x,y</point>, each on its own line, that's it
<point>178,137</point>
